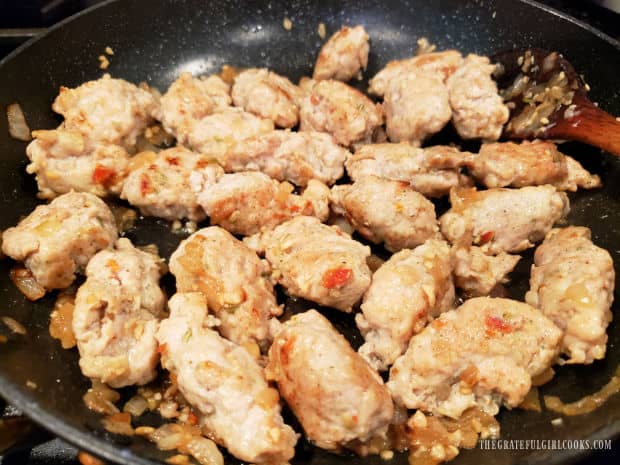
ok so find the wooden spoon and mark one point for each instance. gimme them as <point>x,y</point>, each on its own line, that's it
<point>549,100</point>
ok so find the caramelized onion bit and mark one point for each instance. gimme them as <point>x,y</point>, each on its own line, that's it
<point>61,327</point>
<point>13,325</point>
<point>18,128</point>
<point>531,401</point>
<point>87,459</point>
<point>436,439</point>
<point>229,73</point>
<point>25,282</point>
<point>136,406</point>
<point>586,404</point>
<point>100,398</point>
<point>118,423</point>
<point>205,451</point>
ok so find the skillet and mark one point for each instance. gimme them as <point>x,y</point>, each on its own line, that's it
<point>154,41</point>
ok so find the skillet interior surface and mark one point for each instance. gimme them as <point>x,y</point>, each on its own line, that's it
<point>154,41</point>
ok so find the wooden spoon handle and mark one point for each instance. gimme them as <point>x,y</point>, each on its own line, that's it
<point>591,125</point>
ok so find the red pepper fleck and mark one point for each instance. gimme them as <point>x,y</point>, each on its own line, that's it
<point>497,325</point>
<point>336,277</point>
<point>314,99</point>
<point>173,160</point>
<point>162,348</point>
<point>103,175</point>
<point>294,208</point>
<point>486,237</point>
<point>145,185</point>
<point>192,419</point>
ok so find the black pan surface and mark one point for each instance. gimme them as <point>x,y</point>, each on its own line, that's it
<point>155,40</point>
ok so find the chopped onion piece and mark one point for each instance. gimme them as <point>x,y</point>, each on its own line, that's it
<point>136,406</point>
<point>14,325</point>
<point>25,282</point>
<point>87,459</point>
<point>61,327</point>
<point>100,398</point>
<point>18,128</point>
<point>118,423</point>
<point>205,451</point>
<point>531,401</point>
<point>586,404</point>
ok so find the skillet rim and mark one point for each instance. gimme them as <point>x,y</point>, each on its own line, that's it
<point>109,451</point>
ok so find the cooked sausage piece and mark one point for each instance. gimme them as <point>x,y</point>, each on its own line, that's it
<point>432,171</point>
<point>502,164</point>
<point>189,100</point>
<point>116,315</point>
<point>268,95</point>
<point>225,384</point>
<point>316,262</point>
<point>64,160</point>
<point>478,111</point>
<point>338,398</point>
<point>164,184</point>
<point>477,273</point>
<point>412,288</point>
<point>440,64</point>
<point>296,157</point>
<point>215,134</point>
<point>503,220</point>
<point>386,211</point>
<point>344,55</point>
<point>57,240</point>
<point>245,203</point>
<point>234,280</point>
<point>482,354</point>
<point>340,110</point>
<point>107,110</point>
<point>572,282</point>
<point>416,106</point>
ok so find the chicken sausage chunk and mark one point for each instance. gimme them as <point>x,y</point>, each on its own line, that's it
<point>482,354</point>
<point>189,100</point>
<point>439,64</point>
<point>344,55</point>
<point>409,290</point>
<point>245,203</point>
<point>314,366</point>
<point>225,384</point>
<point>432,171</point>
<point>386,211</point>
<point>296,157</point>
<point>572,282</point>
<point>234,280</point>
<point>268,95</point>
<point>57,240</point>
<point>503,220</point>
<point>164,184</point>
<point>478,111</point>
<point>529,164</point>
<point>477,273</point>
<point>215,134</point>
<point>342,111</point>
<point>116,316</point>
<point>416,107</point>
<point>107,110</point>
<point>63,160</point>
<point>316,262</point>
